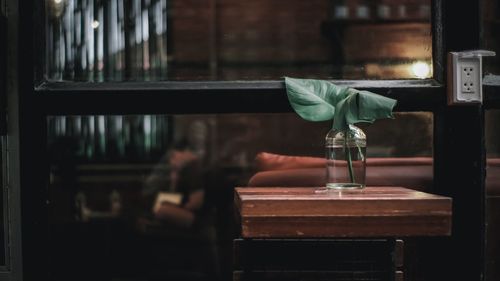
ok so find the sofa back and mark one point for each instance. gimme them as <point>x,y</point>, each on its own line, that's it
<point>284,170</point>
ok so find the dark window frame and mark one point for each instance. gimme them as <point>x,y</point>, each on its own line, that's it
<point>260,96</point>
<point>222,97</point>
<point>463,181</point>
<point>4,264</point>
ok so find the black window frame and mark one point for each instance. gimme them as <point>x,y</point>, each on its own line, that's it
<point>456,129</point>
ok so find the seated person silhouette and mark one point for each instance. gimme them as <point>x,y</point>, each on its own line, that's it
<point>178,229</point>
<point>174,190</point>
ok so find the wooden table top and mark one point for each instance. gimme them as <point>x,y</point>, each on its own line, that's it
<point>295,212</point>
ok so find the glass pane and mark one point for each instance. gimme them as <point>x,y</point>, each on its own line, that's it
<point>491,34</point>
<point>492,126</point>
<point>150,197</point>
<point>160,40</point>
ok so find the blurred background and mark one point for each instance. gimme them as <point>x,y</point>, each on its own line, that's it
<point>157,40</point>
<point>149,197</point>
<point>107,173</point>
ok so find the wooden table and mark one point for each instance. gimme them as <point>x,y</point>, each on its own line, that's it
<point>334,235</point>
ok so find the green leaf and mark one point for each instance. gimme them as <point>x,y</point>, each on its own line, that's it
<point>373,106</point>
<point>319,100</point>
<point>361,106</point>
<point>313,100</point>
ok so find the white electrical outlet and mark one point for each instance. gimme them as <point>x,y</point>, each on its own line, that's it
<point>465,77</point>
<point>470,77</point>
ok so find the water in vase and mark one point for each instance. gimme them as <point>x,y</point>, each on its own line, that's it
<point>345,167</point>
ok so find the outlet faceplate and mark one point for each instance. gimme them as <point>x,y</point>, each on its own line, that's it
<point>465,77</point>
<point>470,76</point>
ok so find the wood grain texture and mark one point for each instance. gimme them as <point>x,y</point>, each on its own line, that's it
<point>317,212</point>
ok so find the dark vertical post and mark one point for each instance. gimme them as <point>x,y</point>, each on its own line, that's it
<point>27,135</point>
<point>459,155</point>
<point>3,70</point>
<point>213,61</point>
<point>3,132</point>
<point>128,26</point>
<point>106,22</point>
<point>438,53</point>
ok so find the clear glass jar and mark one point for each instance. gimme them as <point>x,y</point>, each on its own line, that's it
<point>345,158</point>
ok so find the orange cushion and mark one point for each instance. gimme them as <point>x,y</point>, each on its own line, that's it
<point>265,161</point>
<point>284,170</point>
<point>412,172</point>
<point>415,177</point>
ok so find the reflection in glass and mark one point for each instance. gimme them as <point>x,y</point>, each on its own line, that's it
<point>111,138</point>
<point>150,197</point>
<point>91,40</point>
<point>158,40</point>
<point>492,251</point>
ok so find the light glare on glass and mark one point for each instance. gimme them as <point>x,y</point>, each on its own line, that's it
<point>421,69</point>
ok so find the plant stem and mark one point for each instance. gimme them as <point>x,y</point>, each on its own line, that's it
<point>348,155</point>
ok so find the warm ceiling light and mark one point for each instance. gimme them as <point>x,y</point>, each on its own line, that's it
<point>421,69</point>
<point>57,1</point>
<point>95,24</point>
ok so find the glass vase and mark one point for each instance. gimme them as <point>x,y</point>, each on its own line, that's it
<point>345,158</point>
